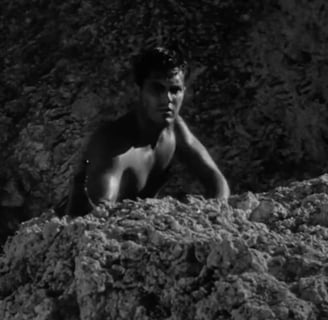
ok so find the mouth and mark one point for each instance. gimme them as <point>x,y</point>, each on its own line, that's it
<point>166,110</point>
<point>167,113</point>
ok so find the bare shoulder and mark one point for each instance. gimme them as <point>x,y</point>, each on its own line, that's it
<point>188,147</point>
<point>110,138</point>
<point>179,122</point>
<point>182,132</point>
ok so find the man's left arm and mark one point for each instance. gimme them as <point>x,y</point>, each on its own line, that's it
<point>193,153</point>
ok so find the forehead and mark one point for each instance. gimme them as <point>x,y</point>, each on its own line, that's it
<point>172,77</point>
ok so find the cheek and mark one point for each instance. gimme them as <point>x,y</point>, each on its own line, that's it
<point>149,104</point>
<point>147,99</point>
<point>179,98</point>
<point>152,101</point>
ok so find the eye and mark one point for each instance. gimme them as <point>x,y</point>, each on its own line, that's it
<point>175,89</point>
<point>157,87</point>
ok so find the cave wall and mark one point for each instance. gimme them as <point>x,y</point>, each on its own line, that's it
<point>257,98</point>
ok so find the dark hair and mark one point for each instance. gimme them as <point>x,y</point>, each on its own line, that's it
<point>157,59</point>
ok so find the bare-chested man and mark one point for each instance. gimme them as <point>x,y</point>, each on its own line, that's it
<point>129,157</point>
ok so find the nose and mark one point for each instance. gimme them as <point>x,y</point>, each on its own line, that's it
<point>166,97</point>
<point>169,96</point>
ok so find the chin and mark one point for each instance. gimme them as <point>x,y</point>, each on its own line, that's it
<point>168,120</point>
<point>164,121</point>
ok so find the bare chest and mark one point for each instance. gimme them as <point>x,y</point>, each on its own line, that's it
<point>143,167</point>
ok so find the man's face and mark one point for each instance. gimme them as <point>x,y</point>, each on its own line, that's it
<point>162,96</point>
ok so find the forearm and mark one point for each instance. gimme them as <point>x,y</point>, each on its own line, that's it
<point>217,186</point>
<point>193,153</point>
<point>215,183</point>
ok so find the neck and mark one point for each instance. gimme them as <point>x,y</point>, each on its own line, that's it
<point>148,131</point>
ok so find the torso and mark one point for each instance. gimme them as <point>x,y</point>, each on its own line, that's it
<point>144,169</point>
<point>141,168</point>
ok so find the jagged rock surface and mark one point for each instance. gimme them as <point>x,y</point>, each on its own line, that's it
<point>262,256</point>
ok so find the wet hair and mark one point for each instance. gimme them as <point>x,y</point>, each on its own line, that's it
<point>157,59</point>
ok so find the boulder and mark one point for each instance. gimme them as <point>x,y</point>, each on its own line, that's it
<point>260,256</point>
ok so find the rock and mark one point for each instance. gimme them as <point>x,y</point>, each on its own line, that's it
<point>166,259</point>
<point>86,106</point>
<point>11,196</point>
<point>264,118</point>
<point>268,209</point>
<point>247,201</point>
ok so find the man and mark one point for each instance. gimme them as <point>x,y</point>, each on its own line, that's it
<point>130,157</point>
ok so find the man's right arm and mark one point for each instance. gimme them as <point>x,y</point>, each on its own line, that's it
<point>97,180</point>
<point>94,186</point>
<point>102,182</point>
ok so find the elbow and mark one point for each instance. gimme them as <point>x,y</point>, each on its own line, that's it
<point>224,191</point>
<point>101,191</point>
<point>219,188</point>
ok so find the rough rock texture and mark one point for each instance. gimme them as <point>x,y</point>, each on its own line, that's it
<point>262,256</point>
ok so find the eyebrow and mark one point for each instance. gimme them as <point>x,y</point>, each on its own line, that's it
<point>161,80</point>
<point>159,84</point>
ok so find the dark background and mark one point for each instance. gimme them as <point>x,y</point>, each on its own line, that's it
<point>257,96</point>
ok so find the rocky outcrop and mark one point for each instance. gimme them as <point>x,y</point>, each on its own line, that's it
<point>260,256</point>
<point>257,100</point>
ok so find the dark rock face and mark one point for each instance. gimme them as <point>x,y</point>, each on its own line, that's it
<point>262,256</point>
<point>257,98</point>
